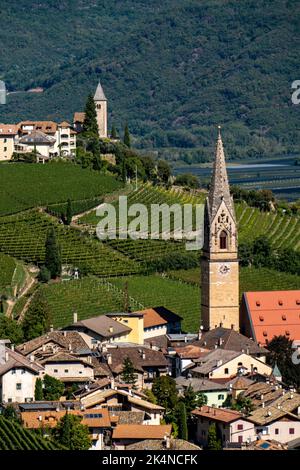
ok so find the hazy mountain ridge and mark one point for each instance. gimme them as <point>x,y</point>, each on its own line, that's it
<point>173,70</point>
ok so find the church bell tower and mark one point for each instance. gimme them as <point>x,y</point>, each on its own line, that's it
<point>101,110</point>
<point>219,264</point>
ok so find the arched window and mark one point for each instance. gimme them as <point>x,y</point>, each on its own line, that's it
<point>98,106</point>
<point>223,240</point>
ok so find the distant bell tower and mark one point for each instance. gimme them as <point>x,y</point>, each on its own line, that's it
<point>101,109</point>
<point>219,264</point>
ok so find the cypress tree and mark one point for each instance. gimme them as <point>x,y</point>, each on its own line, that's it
<point>69,212</point>
<point>52,254</point>
<point>126,139</point>
<point>113,133</point>
<point>182,421</point>
<point>38,391</point>
<point>90,121</point>
<point>213,443</point>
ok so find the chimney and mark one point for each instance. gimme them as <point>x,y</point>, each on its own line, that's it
<point>109,359</point>
<point>44,348</point>
<point>143,355</point>
<point>51,328</point>
<point>167,441</point>
<point>6,356</point>
<point>75,317</point>
<point>65,334</point>
<point>112,382</point>
<point>111,329</point>
<point>185,339</point>
<point>263,404</point>
<point>12,347</point>
<point>31,357</point>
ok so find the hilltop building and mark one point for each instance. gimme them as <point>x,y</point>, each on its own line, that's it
<point>101,110</point>
<point>219,264</point>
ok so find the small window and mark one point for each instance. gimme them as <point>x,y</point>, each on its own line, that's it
<point>23,371</point>
<point>240,439</point>
<point>276,431</point>
<point>55,371</point>
<point>258,303</point>
<point>223,240</point>
<point>19,386</point>
<point>226,371</point>
<point>291,431</point>
<point>66,371</point>
<point>13,371</point>
<point>5,149</point>
<point>221,397</point>
<point>240,427</point>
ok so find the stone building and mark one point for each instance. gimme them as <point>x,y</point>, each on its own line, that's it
<point>219,264</point>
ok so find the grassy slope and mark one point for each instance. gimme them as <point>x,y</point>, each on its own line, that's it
<point>24,186</point>
<point>222,61</point>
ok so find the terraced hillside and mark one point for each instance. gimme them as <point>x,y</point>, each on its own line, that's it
<point>282,230</point>
<point>23,236</point>
<point>26,186</point>
<point>12,275</point>
<point>14,437</point>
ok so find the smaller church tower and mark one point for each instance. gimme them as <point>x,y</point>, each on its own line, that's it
<point>101,109</point>
<point>219,264</point>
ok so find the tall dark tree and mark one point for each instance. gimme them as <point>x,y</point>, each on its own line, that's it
<point>53,388</point>
<point>52,254</point>
<point>182,421</point>
<point>128,372</point>
<point>38,391</point>
<point>127,140</point>
<point>114,134</point>
<point>164,389</point>
<point>90,124</point>
<point>37,318</point>
<point>281,353</point>
<point>10,329</point>
<point>213,442</point>
<point>69,213</point>
<point>163,171</point>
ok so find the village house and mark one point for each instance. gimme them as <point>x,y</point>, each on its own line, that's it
<point>8,134</point>
<point>232,426</point>
<point>215,393</point>
<point>17,376</point>
<point>98,422</point>
<point>159,321</point>
<point>220,363</point>
<point>271,313</point>
<point>118,401</point>
<point>68,367</point>
<point>148,363</point>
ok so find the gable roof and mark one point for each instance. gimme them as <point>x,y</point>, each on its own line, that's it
<point>140,357</point>
<point>280,407</point>
<point>16,360</point>
<point>70,340</point>
<point>227,338</point>
<point>65,357</point>
<point>139,431</point>
<point>150,444</point>
<point>218,414</point>
<point>215,359</point>
<point>96,397</point>
<point>47,127</point>
<point>8,129</point>
<point>102,325</point>
<point>37,137</point>
<point>159,316</point>
<point>273,313</point>
<point>79,117</point>
<point>200,385</point>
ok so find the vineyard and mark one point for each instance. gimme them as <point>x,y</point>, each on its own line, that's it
<point>14,437</point>
<point>12,275</point>
<point>23,236</point>
<point>26,186</point>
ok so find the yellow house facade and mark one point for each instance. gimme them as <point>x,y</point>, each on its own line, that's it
<point>135,321</point>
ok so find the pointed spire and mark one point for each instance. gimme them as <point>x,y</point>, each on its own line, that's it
<point>99,95</point>
<point>219,188</point>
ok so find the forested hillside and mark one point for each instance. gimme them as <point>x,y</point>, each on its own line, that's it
<point>172,69</point>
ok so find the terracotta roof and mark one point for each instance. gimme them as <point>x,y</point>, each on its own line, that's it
<point>218,414</point>
<point>158,316</point>
<point>48,127</point>
<point>156,444</point>
<point>8,129</point>
<point>273,313</point>
<point>101,325</point>
<point>64,124</point>
<point>226,338</point>
<point>141,357</point>
<point>139,431</point>
<point>79,117</point>
<point>91,418</point>
<point>17,360</point>
<point>190,351</point>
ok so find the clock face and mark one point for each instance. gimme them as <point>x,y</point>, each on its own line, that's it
<point>224,269</point>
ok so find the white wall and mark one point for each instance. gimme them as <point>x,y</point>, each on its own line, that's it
<point>76,369</point>
<point>9,385</point>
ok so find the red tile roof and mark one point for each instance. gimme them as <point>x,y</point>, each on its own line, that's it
<point>8,129</point>
<point>273,313</point>
<point>218,414</point>
<point>141,431</point>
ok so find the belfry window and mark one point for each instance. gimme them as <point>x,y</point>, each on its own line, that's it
<point>223,240</point>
